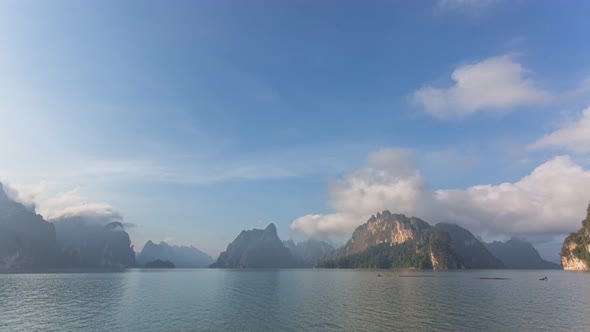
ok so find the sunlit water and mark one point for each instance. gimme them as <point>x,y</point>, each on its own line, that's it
<point>277,300</point>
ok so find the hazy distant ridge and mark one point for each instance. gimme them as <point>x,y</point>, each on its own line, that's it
<point>180,256</point>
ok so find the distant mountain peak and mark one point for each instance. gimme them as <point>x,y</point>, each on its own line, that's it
<point>180,256</point>
<point>518,253</point>
<point>271,228</point>
<point>256,248</point>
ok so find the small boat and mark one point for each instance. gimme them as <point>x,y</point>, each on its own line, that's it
<point>379,275</point>
<point>544,278</point>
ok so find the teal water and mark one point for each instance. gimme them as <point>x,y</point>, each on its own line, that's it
<point>294,300</point>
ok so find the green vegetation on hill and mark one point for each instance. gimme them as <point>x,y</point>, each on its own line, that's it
<point>395,241</point>
<point>383,256</point>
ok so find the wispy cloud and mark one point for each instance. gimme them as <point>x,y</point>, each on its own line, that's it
<point>47,199</point>
<point>496,84</point>
<point>573,136</point>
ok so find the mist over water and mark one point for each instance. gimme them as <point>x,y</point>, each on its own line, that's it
<point>293,300</point>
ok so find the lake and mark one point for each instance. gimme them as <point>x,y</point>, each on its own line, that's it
<point>294,300</point>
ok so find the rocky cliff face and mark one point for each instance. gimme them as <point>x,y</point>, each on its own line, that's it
<point>180,256</point>
<point>386,228</point>
<point>575,254</point>
<point>389,240</point>
<point>570,261</point>
<point>26,239</point>
<point>256,249</point>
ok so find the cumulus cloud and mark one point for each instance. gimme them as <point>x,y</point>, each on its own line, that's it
<point>388,180</point>
<point>495,84</point>
<point>323,225</point>
<point>549,201</point>
<point>573,136</point>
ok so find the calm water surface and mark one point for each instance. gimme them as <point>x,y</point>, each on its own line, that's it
<point>294,300</point>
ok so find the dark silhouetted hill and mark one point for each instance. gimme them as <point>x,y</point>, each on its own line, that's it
<point>26,239</point>
<point>87,243</point>
<point>519,254</point>
<point>254,249</point>
<point>310,252</point>
<point>473,252</point>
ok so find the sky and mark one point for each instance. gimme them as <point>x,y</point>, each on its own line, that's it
<point>194,120</point>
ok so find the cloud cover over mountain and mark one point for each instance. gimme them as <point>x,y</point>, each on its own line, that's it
<point>545,202</point>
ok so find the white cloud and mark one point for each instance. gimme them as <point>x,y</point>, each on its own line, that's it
<point>47,200</point>
<point>389,180</point>
<point>573,136</point>
<point>325,225</point>
<point>551,200</point>
<point>495,84</point>
<point>102,213</point>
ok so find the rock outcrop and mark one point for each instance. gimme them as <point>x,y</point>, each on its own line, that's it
<point>255,249</point>
<point>575,254</point>
<point>389,240</point>
<point>386,228</point>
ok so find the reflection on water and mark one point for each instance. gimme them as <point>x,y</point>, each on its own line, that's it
<point>194,300</point>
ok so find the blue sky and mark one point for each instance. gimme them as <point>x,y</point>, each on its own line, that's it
<point>196,119</point>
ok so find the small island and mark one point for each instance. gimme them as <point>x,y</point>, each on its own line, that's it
<point>159,264</point>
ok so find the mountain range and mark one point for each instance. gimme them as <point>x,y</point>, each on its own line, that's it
<point>519,254</point>
<point>28,241</point>
<point>180,256</point>
<point>386,240</point>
